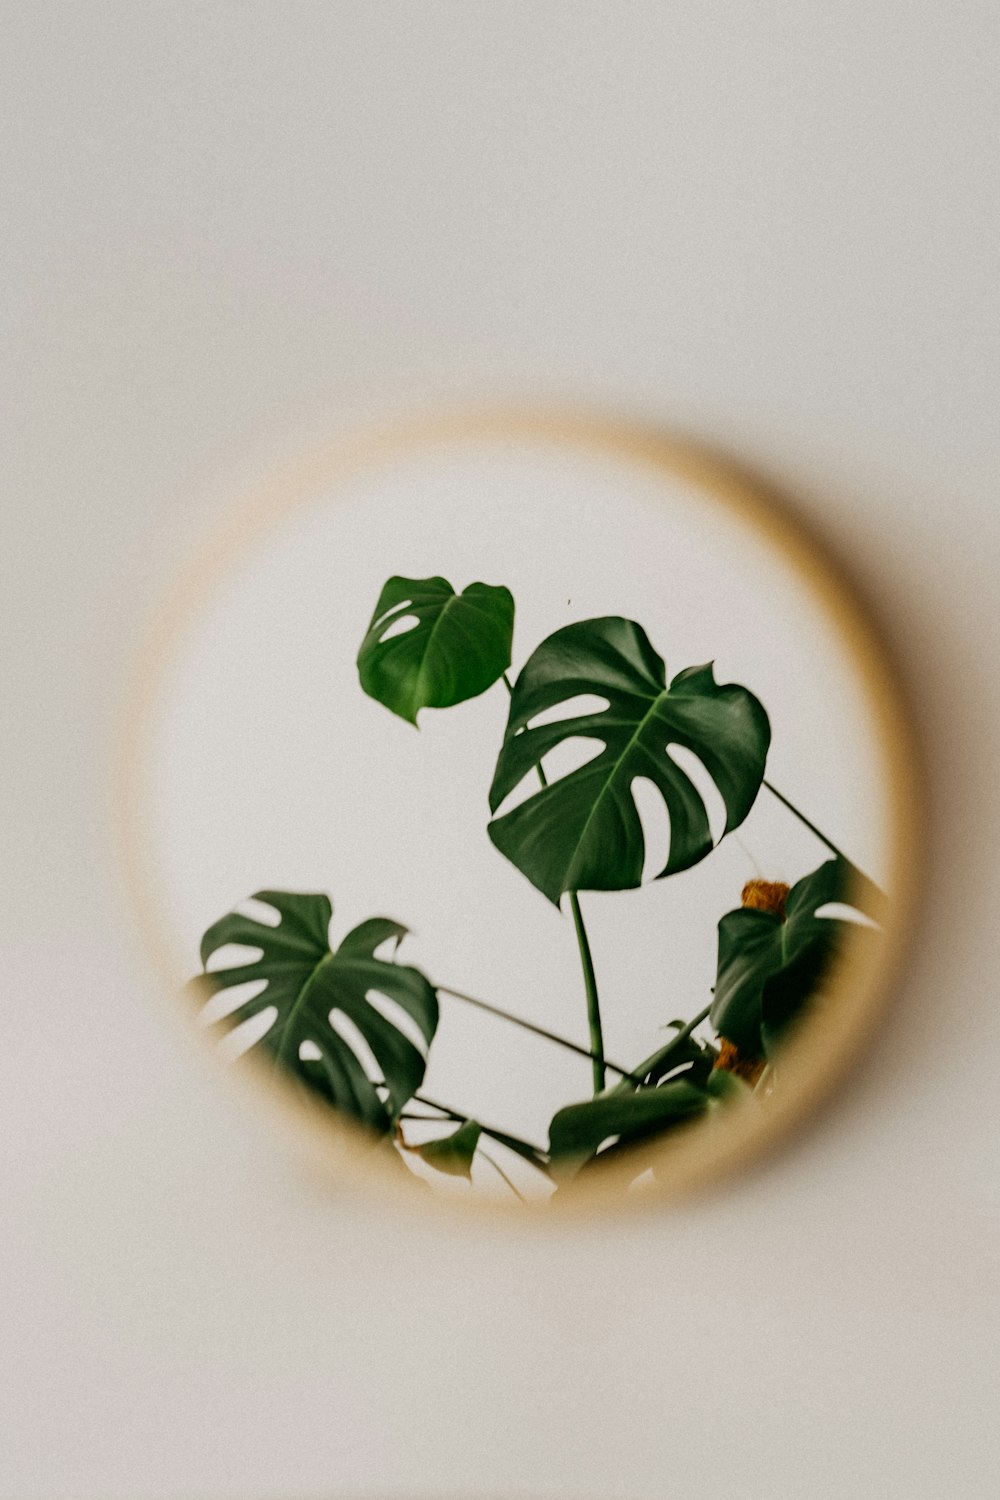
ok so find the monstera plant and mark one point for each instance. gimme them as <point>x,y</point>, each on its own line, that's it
<point>353,1025</point>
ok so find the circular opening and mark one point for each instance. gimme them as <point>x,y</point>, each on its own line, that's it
<point>622,908</point>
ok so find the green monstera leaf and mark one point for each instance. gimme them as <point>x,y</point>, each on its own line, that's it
<point>672,1086</point>
<point>618,1119</point>
<point>769,965</point>
<point>428,647</point>
<point>309,985</point>
<point>583,832</point>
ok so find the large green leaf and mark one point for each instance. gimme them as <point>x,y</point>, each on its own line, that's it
<point>578,1131</point>
<point>769,966</point>
<point>458,646</point>
<point>307,983</point>
<point>583,832</point>
<point>674,1084</point>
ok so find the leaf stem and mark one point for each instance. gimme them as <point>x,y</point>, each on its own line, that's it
<point>534,1154</point>
<point>803,819</point>
<point>550,1036</point>
<point>498,1168</point>
<point>590,985</point>
<point>839,853</point>
<point>587,962</point>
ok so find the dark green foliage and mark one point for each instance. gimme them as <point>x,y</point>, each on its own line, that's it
<point>768,967</point>
<point>674,1085</point>
<point>682,1056</point>
<point>459,646</point>
<point>306,982</point>
<point>578,1131</point>
<point>582,832</point>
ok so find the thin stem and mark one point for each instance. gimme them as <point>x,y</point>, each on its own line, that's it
<point>597,1058</point>
<point>409,1115</point>
<point>534,1154</point>
<point>821,836</point>
<point>803,819</point>
<point>550,1036</point>
<point>590,985</point>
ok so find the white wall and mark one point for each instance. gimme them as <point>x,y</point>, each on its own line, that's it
<point>229,228</point>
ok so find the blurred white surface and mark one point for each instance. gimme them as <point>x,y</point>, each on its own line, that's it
<point>228,228</point>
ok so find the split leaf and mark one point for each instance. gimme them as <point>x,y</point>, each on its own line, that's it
<point>311,986</point>
<point>769,966</point>
<point>428,647</point>
<point>582,832</point>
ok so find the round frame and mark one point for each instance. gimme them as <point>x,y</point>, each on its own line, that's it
<point>821,1049</point>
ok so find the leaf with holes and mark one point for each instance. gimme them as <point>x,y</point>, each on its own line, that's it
<point>452,1153</point>
<point>769,966</point>
<point>309,985</point>
<point>583,831</point>
<point>428,647</point>
<point>579,1131</point>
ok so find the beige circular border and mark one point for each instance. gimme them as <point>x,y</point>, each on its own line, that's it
<point>819,1053</point>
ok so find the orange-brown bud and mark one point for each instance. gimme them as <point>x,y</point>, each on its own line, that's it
<point>766,895</point>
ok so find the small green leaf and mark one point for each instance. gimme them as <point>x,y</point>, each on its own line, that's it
<point>452,1153</point>
<point>578,1131</point>
<point>455,646</point>
<point>768,967</point>
<point>582,832</point>
<point>308,984</point>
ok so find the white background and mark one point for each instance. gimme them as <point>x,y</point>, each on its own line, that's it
<point>229,228</point>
